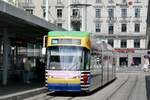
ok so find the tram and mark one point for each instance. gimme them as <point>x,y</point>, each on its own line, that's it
<point>76,62</point>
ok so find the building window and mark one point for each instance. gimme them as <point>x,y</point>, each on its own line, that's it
<point>59,12</point>
<point>110,29</point>
<point>124,1</point>
<point>76,26</point>
<point>137,12</point>
<point>123,12</point>
<point>97,27</point>
<point>28,1</point>
<point>44,2</point>
<point>98,12</point>
<point>124,28</point>
<point>75,1</point>
<point>137,1</point>
<point>110,12</point>
<point>136,43</point>
<point>111,42</point>
<point>123,43</point>
<point>137,27</point>
<point>110,1</point>
<point>59,25</point>
<point>29,11</point>
<point>44,13</point>
<point>75,13</point>
<point>98,1</point>
<point>58,1</point>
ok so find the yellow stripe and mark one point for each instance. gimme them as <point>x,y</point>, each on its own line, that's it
<point>85,42</point>
<point>64,81</point>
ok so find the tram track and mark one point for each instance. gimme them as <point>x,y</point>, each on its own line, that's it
<point>109,97</point>
<point>43,96</point>
<point>49,96</point>
<point>133,88</point>
<point>57,98</point>
<point>123,90</point>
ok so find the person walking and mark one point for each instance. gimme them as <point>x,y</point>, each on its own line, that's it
<point>40,69</point>
<point>146,64</point>
<point>27,70</point>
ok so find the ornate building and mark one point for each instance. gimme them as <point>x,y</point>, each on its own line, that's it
<point>121,23</point>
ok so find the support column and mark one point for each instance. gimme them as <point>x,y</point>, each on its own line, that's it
<point>130,59</point>
<point>142,59</point>
<point>117,56</point>
<point>83,20</point>
<point>5,56</point>
<point>16,54</point>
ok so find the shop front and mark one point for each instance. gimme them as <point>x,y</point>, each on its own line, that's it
<point>130,57</point>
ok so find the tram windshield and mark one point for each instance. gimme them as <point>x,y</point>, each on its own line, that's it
<point>65,58</point>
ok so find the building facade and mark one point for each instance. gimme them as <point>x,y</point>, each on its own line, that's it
<point>121,23</point>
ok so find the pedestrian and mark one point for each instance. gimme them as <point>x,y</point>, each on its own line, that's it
<point>146,64</point>
<point>43,71</point>
<point>38,69</point>
<point>27,70</point>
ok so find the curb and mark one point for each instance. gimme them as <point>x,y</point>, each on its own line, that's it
<point>23,94</point>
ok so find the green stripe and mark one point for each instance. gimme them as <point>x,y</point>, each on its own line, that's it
<point>67,34</point>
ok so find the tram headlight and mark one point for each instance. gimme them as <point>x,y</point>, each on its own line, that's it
<point>50,76</point>
<point>85,78</point>
<point>76,77</point>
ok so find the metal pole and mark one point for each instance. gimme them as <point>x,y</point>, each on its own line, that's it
<point>44,38</point>
<point>83,20</point>
<point>85,15</point>
<point>5,56</point>
<point>46,10</point>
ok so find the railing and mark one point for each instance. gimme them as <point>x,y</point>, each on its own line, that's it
<point>76,18</point>
<point>26,4</point>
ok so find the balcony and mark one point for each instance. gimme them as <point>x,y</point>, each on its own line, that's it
<point>27,4</point>
<point>111,20</point>
<point>75,2</point>
<point>119,36</point>
<point>60,5</point>
<point>76,18</point>
<point>122,5</point>
<point>100,20</point>
<point>59,20</point>
<point>111,1</point>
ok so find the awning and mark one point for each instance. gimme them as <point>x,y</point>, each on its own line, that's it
<point>124,50</point>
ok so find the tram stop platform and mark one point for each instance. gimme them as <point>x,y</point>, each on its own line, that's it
<point>20,90</point>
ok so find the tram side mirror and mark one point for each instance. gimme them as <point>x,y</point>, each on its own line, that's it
<point>43,51</point>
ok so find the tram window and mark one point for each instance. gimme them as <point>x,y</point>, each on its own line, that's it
<point>86,60</point>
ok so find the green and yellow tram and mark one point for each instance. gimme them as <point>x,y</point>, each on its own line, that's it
<point>76,62</point>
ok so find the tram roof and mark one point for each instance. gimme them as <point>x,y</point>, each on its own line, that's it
<point>102,45</point>
<point>68,33</point>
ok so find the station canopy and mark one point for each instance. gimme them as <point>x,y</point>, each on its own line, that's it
<point>22,25</point>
